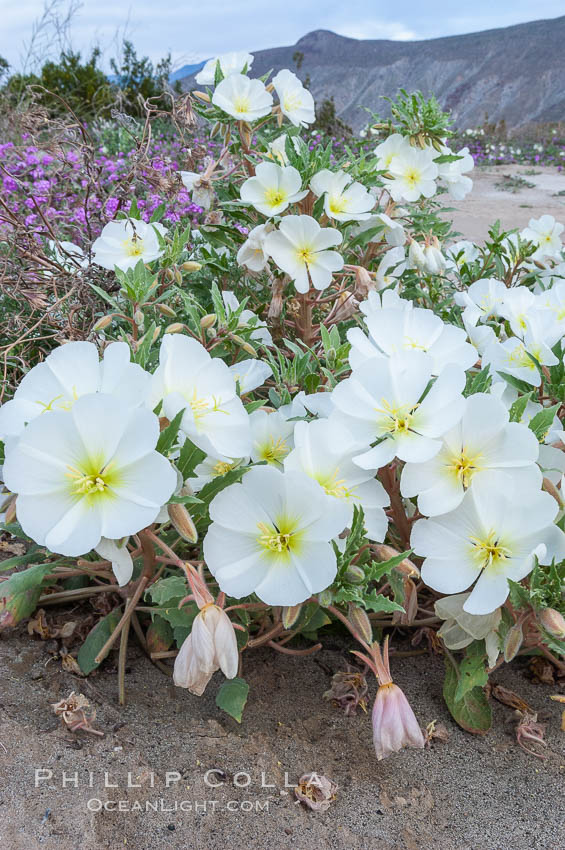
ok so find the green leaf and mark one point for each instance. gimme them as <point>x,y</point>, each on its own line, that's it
<point>472,670</point>
<point>518,594</point>
<point>95,640</point>
<point>34,554</point>
<point>478,383</point>
<point>20,593</point>
<point>232,697</point>
<point>472,712</point>
<point>189,458</point>
<point>105,297</point>
<point>220,482</point>
<point>168,436</point>
<point>542,421</point>
<point>516,382</point>
<point>173,587</point>
<point>378,602</point>
<point>518,408</point>
<point>175,616</point>
<point>141,356</point>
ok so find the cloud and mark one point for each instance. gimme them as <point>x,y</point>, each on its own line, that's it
<point>376,28</point>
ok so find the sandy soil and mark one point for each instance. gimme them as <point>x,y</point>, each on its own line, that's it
<point>468,793</point>
<point>487,202</point>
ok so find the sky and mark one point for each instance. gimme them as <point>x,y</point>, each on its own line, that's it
<point>193,30</point>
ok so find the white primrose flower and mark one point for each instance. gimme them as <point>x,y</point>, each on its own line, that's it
<point>462,252</point>
<point>252,253</point>
<point>247,318</point>
<point>553,301</point>
<point>188,379</point>
<point>482,300</point>
<point>494,535</point>
<point>271,436</point>
<point>271,534</point>
<point>199,185</point>
<point>392,230</point>
<point>242,98</point>
<point>230,63</point>
<point>397,329</point>
<point>413,174</point>
<point>214,466</point>
<point>324,450</point>
<point>460,628</point>
<point>513,357</point>
<point>273,188</point>
<point>544,232</point>
<point>391,267</point>
<point>484,445</point>
<point>87,474</point>
<point>296,102</point>
<point>250,374</point>
<point>210,646</point>
<point>434,261</point>
<point>344,200</point>
<point>276,150</point>
<point>124,243</point>
<point>519,302</point>
<point>69,372</point>
<point>68,255</point>
<point>394,146</point>
<point>383,401</point>
<point>453,173</point>
<point>389,299</point>
<point>299,248</point>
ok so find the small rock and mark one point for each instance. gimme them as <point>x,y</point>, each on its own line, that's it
<point>37,672</point>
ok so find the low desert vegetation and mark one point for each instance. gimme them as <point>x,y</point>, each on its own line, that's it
<point>256,389</point>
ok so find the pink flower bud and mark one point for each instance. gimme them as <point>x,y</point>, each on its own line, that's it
<point>210,646</point>
<point>394,723</point>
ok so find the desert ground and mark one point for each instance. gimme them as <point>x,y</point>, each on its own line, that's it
<point>464,793</point>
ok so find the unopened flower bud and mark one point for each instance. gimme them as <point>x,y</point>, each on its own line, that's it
<point>166,310</point>
<point>211,645</point>
<point>434,261</point>
<point>11,511</point>
<point>360,622</point>
<point>406,567</point>
<point>103,323</point>
<point>553,622</point>
<point>191,266</point>
<point>175,328</point>
<point>208,321</point>
<point>364,283</point>
<point>354,574</point>
<point>139,318</point>
<point>156,334</point>
<point>290,614</point>
<point>169,274</point>
<point>182,522</point>
<point>325,598</point>
<point>201,95</point>
<point>513,642</point>
<point>416,255</point>
<point>178,277</point>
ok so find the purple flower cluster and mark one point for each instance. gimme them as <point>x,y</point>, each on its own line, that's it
<point>37,186</point>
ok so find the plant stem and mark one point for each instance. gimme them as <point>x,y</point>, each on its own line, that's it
<point>122,663</point>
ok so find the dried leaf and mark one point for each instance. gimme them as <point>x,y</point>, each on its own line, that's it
<point>315,791</point>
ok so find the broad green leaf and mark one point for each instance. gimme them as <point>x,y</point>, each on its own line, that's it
<point>232,697</point>
<point>189,458</point>
<point>173,587</point>
<point>472,670</point>
<point>95,640</point>
<point>473,712</point>
<point>20,593</point>
<point>516,382</point>
<point>542,421</point>
<point>478,383</point>
<point>378,602</point>
<point>519,406</point>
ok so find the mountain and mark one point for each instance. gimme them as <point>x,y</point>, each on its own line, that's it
<point>185,71</point>
<point>516,73</point>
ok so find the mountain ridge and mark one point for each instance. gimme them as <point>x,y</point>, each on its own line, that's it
<point>513,73</point>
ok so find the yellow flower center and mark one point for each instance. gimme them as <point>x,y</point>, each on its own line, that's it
<point>91,479</point>
<point>223,467</point>
<point>274,451</point>
<point>274,197</point>
<point>305,254</point>
<point>519,358</point>
<point>488,552</point>
<point>464,467</point>
<point>241,104</point>
<point>412,177</point>
<point>280,537</point>
<point>335,486</point>
<point>291,102</point>
<point>395,419</point>
<point>338,204</point>
<point>134,247</point>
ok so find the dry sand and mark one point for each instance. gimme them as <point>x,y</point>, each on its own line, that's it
<point>469,793</point>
